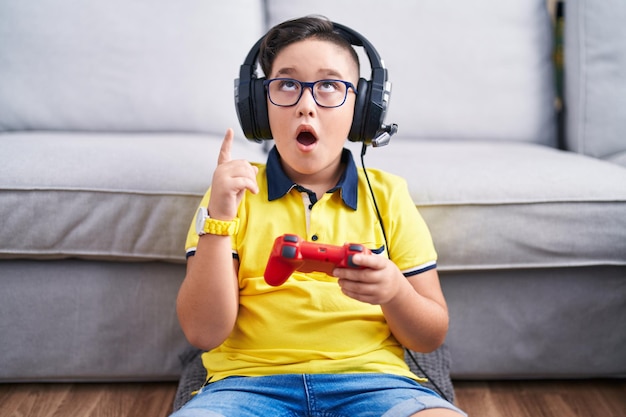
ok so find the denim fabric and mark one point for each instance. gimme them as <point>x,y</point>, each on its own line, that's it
<point>318,395</point>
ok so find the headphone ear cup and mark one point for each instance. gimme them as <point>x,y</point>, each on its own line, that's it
<point>243,105</point>
<point>259,110</point>
<point>357,130</point>
<point>251,106</point>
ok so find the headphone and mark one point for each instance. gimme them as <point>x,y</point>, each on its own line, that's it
<point>371,104</point>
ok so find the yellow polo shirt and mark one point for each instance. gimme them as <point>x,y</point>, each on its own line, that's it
<point>307,325</point>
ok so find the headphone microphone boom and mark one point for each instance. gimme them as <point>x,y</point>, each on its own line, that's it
<point>384,135</point>
<point>370,107</point>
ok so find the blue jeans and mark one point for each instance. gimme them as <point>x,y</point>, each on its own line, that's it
<point>317,395</point>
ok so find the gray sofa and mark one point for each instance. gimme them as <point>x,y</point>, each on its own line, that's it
<point>111,114</point>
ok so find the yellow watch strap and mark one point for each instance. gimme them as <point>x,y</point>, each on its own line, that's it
<point>221,227</point>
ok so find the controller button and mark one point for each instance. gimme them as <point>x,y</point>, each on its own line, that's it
<point>290,238</point>
<point>289,252</point>
<point>350,263</point>
<point>355,248</point>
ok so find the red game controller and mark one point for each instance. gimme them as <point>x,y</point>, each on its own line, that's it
<point>291,253</point>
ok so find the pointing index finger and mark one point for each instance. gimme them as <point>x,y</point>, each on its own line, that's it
<point>227,144</point>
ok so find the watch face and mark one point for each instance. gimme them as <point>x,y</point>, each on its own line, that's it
<point>200,219</point>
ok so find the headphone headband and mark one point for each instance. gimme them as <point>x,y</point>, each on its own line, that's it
<point>356,39</point>
<point>370,107</point>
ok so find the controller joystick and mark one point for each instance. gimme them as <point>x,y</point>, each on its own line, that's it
<point>291,253</point>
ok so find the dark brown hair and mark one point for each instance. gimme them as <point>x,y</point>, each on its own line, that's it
<point>296,30</point>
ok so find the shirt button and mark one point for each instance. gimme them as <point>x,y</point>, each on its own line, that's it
<point>314,238</point>
<point>310,206</point>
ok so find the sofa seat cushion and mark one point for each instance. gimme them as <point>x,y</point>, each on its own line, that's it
<point>104,196</point>
<point>499,205</point>
<point>489,205</point>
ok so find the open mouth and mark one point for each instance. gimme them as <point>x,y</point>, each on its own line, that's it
<point>306,138</point>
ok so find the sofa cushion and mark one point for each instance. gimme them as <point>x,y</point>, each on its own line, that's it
<point>460,70</point>
<point>104,196</point>
<point>512,205</point>
<point>595,78</point>
<point>123,66</point>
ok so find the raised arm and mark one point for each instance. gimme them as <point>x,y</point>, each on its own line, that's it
<point>208,298</point>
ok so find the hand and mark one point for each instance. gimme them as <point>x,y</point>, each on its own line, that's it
<point>378,283</point>
<point>230,181</point>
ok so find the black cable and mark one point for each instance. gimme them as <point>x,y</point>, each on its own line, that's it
<point>369,185</point>
<point>382,227</point>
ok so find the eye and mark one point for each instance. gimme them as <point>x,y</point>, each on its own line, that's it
<point>289,85</point>
<point>328,86</point>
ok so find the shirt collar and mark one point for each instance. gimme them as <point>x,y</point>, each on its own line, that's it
<point>279,184</point>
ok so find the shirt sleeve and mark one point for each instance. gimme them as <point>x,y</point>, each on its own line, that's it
<point>410,243</point>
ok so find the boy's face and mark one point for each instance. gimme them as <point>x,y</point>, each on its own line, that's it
<point>310,138</point>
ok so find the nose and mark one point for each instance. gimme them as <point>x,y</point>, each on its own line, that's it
<point>306,104</point>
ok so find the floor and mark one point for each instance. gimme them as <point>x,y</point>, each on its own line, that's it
<point>595,398</point>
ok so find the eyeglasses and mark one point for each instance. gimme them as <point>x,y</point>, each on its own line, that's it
<point>286,92</point>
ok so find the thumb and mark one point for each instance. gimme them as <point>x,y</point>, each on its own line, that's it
<point>227,144</point>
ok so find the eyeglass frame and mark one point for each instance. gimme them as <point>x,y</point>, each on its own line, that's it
<point>304,85</point>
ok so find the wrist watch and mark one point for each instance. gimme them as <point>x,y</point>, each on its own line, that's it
<point>206,225</point>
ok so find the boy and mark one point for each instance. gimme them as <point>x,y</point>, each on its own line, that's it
<point>318,344</point>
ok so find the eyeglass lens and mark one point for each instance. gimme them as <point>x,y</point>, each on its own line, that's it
<point>326,93</point>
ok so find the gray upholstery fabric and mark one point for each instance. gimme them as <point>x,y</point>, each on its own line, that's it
<point>192,377</point>
<point>453,66</point>
<point>148,194</point>
<point>509,212</point>
<point>595,78</point>
<point>537,323</point>
<point>123,66</point>
<point>138,202</point>
<point>72,320</point>
<point>436,366</point>
<point>100,175</point>
<point>512,205</point>
<point>76,320</point>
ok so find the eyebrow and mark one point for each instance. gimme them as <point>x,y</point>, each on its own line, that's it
<point>326,71</point>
